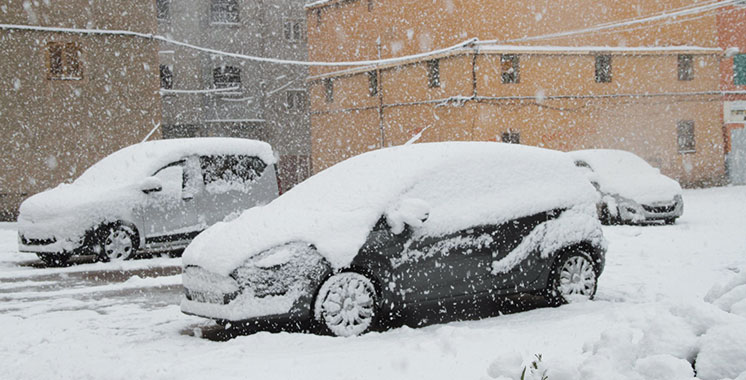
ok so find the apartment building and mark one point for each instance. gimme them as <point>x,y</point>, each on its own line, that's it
<point>67,99</point>
<point>652,88</point>
<point>212,94</point>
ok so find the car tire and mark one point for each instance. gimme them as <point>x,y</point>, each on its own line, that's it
<point>573,278</point>
<point>53,259</point>
<point>669,221</point>
<point>116,242</point>
<point>346,305</point>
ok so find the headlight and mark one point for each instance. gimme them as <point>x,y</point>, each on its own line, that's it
<point>280,269</point>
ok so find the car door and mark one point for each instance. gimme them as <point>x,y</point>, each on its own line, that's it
<point>514,262</point>
<point>441,267</point>
<point>168,216</point>
<point>232,184</point>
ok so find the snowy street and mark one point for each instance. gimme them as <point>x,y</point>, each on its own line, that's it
<point>649,319</point>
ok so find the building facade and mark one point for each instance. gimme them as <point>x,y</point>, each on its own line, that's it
<point>67,99</point>
<point>211,94</point>
<point>651,88</point>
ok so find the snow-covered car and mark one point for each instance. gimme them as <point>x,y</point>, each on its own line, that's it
<point>378,234</point>
<point>150,197</point>
<point>631,190</point>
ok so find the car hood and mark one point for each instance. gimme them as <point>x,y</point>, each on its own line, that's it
<point>69,209</point>
<point>643,189</point>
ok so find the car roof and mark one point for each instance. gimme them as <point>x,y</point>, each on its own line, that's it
<point>143,159</point>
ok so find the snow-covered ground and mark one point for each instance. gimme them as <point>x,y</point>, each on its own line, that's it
<point>652,317</point>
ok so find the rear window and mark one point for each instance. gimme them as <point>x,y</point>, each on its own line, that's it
<point>220,171</point>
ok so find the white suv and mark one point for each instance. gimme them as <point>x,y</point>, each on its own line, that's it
<point>150,197</point>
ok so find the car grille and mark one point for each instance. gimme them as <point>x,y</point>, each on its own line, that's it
<point>209,297</point>
<point>659,209</point>
<point>27,241</point>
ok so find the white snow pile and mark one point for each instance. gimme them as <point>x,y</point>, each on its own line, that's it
<point>463,183</point>
<point>108,190</point>
<point>698,340</point>
<point>627,175</point>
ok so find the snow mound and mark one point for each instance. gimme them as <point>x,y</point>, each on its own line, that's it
<point>463,183</point>
<point>723,352</point>
<point>627,175</point>
<point>730,297</point>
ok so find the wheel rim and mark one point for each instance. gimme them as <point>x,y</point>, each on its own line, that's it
<point>118,244</point>
<point>577,279</point>
<point>349,305</point>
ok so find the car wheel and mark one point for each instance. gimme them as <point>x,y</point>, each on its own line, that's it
<point>117,242</point>
<point>670,221</point>
<point>53,260</point>
<point>346,304</point>
<point>573,278</point>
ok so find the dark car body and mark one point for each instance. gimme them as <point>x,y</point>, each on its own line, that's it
<point>408,265</point>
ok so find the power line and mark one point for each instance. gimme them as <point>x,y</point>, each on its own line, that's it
<point>687,10</point>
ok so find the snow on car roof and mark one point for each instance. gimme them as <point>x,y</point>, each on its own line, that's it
<point>464,183</point>
<point>143,159</point>
<point>626,174</point>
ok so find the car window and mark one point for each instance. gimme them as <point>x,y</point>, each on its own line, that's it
<point>230,172</point>
<point>172,178</point>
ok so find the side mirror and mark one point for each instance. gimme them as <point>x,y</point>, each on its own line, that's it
<point>150,185</point>
<point>410,212</point>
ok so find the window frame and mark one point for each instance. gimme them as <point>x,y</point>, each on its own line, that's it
<point>604,72</point>
<point>292,30</point>
<point>372,83</point>
<point>739,76</point>
<point>295,99</point>
<point>685,67</point>
<point>169,78</point>
<point>222,74</point>
<point>507,76</point>
<point>68,69</point>
<point>163,10</point>
<point>685,130</point>
<point>220,8</point>
<point>433,73</point>
<point>328,84</point>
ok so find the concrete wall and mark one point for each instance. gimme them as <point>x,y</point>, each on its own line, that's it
<point>52,130</point>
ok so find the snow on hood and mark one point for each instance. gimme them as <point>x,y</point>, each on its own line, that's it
<point>625,174</point>
<point>464,184</point>
<point>110,188</point>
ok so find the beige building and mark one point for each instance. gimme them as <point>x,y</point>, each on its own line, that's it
<point>651,88</point>
<point>67,99</point>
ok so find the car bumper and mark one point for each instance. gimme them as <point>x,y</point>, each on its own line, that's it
<point>48,245</point>
<point>218,297</point>
<point>637,213</point>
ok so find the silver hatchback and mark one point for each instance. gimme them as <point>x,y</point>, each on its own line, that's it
<point>147,198</point>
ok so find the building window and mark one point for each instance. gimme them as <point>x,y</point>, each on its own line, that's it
<point>685,133</point>
<point>373,83</point>
<point>167,77</point>
<point>603,68</point>
<point>511,137</point>
<point>329,90</point>
<point>224,11</point>
<point>226,77</point>
<point>739,69</point>
<point>64,61</point>
<point>433,73</point>
<point>163,9</point>
<point>292,30</point>
<point>686,68</point>
<point>295,99</point>
<point>509,68</point>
